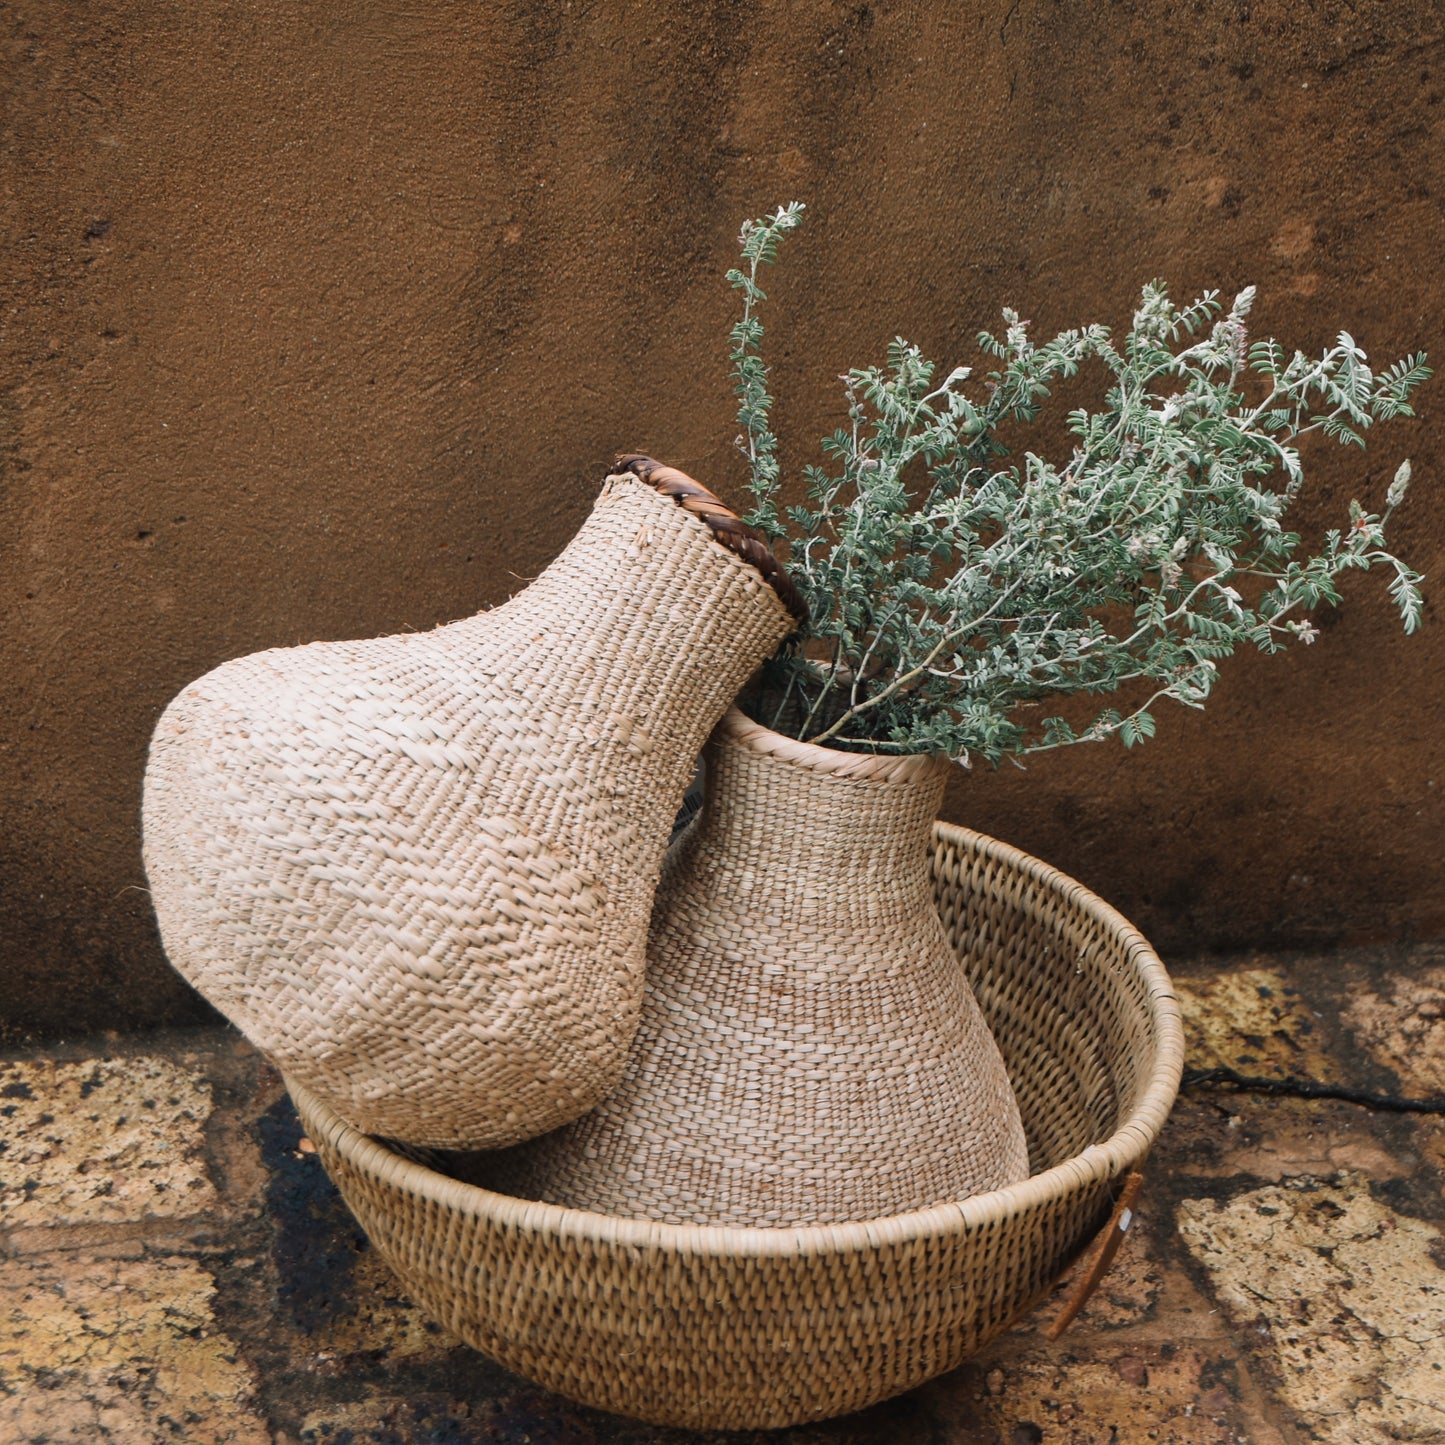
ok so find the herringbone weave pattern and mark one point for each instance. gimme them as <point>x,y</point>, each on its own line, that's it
<point>417,870</point>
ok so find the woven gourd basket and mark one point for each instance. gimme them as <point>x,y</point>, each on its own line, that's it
<point>715,1328</point>
<point>418,870</point>
<point>809,1050</point>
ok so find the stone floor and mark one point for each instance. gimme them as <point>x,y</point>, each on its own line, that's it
<point>175,1266</point>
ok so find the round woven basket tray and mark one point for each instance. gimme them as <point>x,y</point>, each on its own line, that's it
<point>749,1328</point>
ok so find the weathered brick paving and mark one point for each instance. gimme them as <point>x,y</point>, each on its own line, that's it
<point>174,1265</point>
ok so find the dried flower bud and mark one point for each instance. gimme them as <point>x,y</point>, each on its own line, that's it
<point>1400,485</point>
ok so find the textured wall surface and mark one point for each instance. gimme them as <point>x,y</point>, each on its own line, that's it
<point>325,321</point>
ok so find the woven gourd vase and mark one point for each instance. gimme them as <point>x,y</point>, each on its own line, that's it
<point>809,1052</point>
<point>417,871</point>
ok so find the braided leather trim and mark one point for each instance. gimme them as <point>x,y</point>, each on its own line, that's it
<point>727,527</point>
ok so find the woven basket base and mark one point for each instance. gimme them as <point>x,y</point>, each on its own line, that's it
<point>758,1328</point>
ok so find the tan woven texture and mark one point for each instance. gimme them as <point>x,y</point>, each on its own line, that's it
<point>749,1328</point>
<point>417,870</point>
<point>809,1051</point>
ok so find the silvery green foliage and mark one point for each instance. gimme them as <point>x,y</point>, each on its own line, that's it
<point>954,593</point>
<point>759,242</point>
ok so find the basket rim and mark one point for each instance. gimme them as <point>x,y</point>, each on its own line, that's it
<point>755,737</point>
<point>1124,1149</point>
<point>669,509</point>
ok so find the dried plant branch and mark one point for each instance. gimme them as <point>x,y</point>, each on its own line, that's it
<point>953,589</point>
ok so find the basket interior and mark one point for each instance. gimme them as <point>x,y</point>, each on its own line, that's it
<point>1053,974</point>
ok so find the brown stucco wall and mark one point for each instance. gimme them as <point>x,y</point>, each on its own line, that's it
<point>324,321</point>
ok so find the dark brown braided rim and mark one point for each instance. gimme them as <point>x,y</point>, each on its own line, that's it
<point>726,525</point>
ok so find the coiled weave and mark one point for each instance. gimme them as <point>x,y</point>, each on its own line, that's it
<point>728,1329</point>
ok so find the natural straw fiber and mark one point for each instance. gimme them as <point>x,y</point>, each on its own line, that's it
<point>417,870</point>
<point>752,1328</point>
<point>809,1051</point>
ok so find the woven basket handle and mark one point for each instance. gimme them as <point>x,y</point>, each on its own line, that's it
<point>727,527</point>
<point>1106,1246</point>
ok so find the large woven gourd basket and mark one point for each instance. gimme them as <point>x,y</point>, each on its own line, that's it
<point>417,870</point>
<point>715,1328</point>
